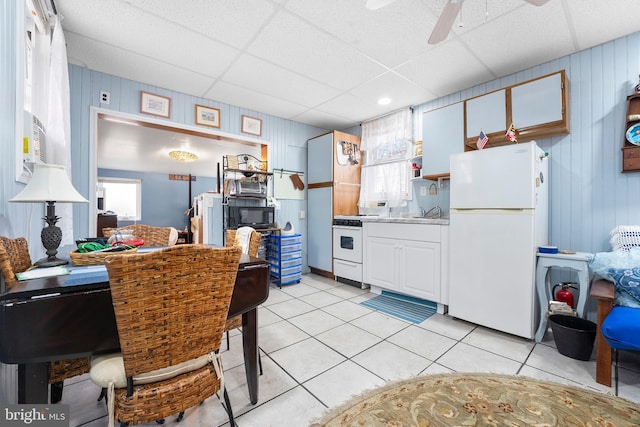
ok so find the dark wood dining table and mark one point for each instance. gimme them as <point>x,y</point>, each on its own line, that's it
<point>61,317</point>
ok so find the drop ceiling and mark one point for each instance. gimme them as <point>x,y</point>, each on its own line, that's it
<point>327,62</point>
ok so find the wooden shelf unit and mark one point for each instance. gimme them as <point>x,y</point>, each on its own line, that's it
<point>631,152</point>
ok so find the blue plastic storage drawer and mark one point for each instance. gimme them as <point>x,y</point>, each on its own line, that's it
<point>285,264</point>
<point>276,271</point>
<point>273,256</point>
<point>285,280</point>
<point>285,240</point>
<point>283,249</point>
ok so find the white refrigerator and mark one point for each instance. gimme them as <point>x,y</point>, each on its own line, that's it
<point>208,218</point>
<point>499,216</point>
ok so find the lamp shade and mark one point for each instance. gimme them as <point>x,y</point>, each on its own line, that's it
<point>49,183</point>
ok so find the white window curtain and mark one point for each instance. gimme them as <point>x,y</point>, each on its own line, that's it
<point>386,147</point>
<point>58,123</point>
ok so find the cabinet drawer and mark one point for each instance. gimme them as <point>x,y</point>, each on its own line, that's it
<point>631,158</point>
<point>631,153</point>
<point>419,232</point>
<point>347,270</point>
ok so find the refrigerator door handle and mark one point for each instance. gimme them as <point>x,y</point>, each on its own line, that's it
<point>491,211</point>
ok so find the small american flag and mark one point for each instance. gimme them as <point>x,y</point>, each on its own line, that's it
<point>482,140</point>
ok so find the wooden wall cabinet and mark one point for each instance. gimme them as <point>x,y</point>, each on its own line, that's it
<point>538,108</point>
<point>630,151</point>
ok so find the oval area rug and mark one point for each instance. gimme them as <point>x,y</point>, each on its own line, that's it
<point>481,399</point>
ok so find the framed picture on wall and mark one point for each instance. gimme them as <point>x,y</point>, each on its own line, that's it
<point>251,125</point>
<point>207,116</point>
<point>155,104</point>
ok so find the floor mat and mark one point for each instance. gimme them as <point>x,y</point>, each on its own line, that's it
<point>412,309</point>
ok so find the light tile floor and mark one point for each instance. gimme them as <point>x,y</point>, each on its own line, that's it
<point>319,347</point>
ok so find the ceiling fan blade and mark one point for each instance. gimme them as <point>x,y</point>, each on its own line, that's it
<point>377,4</point>
<point>537,2</point>
<point>447,17</point>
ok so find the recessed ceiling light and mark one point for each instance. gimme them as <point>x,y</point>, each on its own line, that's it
<point>384,101</point>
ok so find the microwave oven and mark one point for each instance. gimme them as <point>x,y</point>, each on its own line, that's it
<point>251,216</point>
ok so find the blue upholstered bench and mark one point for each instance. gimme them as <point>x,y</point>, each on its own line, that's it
<point>619,325</point>
<point>621,329</point>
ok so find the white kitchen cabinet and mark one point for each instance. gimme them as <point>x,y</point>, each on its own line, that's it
<point>320,221</point>
<point>539,106</point>
<point>404,258</point>
<point>442,135</point>
<point>487,113</point>
<point>333,188</point>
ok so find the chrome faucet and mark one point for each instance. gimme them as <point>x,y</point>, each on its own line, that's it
<point>437,214</point>
<point>423,213</point>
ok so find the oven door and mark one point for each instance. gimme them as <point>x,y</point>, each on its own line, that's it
<point>347,243</point>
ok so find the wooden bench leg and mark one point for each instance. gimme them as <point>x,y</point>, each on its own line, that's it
<point>603,350</point>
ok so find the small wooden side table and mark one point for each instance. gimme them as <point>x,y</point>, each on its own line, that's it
<point>183,238</point>
<point>578,262</point>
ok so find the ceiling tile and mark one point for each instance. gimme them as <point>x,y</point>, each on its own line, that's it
<point>349,105</point>
<point>324,120</point>
<point>130,29</point>
<point>445,69</point>
<point>399,90</point>
<point>392,34</point>
<point>118,62</point>
<point>230,21</point>
<point>476,13</point>
<point>251,100</point>
<point>596,21</point>
<point>252,73</point>
<point>522,38</point>
<point>291,43</point>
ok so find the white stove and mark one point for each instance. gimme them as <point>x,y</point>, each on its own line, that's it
<point>347,248</point>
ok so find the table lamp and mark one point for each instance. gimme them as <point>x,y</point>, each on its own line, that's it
<point>50,184</point>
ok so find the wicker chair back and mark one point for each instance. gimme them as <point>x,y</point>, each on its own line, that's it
<point>14,258</point>
<point>170,307</point>
<point>153,236</point>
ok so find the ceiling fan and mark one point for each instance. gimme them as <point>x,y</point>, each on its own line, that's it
<point>447,17</point>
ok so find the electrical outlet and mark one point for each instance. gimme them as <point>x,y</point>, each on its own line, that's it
<point>301,214</point>
<point>423,190</point>
<point>105,98</point>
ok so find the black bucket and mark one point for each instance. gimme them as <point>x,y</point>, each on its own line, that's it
<point>573,336</point>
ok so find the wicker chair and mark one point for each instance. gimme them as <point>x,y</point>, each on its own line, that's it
<point>170,307</point>
<point>153,236</point>
<point>254,245</point>
<point>15,258</point>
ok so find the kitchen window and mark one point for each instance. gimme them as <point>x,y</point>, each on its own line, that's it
<point>386,147</point>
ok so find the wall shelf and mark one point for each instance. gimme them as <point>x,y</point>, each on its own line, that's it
<point>631,152</point>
